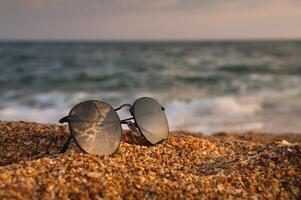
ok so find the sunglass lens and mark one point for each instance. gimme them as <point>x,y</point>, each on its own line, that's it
<point>151,119</point>
<point>96,127</point>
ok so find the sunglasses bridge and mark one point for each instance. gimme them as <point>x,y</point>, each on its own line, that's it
<point>125,105</point>
<point>131,125</point>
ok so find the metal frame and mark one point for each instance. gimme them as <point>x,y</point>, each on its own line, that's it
<point>124,121</point>
<point>71,136</point>
<point>137,126</point>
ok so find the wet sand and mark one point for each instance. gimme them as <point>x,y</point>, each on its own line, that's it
<point>226,165</point>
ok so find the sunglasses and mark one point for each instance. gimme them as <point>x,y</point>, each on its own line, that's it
<point>96,127</point>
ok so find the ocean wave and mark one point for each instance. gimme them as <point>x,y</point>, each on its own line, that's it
<point>260,69</point>
<point>198,114</point>
<point>215,114</point>
<point>205,87</point>
<point>206,115</point>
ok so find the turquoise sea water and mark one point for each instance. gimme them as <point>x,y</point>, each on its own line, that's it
<point>205,86</point>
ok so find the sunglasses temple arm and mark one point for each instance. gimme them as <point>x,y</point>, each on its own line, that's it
<point>64,119</point>
<point>124,105</point>
<point>66,145</point>
<point>125,121</point>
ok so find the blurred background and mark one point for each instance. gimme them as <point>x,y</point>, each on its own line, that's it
<point>214,65</point>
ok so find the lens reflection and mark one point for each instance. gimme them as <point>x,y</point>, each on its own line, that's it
<point>151,119</point>
<point>96,127</point>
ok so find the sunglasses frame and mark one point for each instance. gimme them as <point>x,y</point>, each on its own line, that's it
<point>123,121</point>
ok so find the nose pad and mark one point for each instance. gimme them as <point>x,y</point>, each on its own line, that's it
<point>133,128</point>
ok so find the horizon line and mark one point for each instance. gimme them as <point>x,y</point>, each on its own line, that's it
<point>156,40</point>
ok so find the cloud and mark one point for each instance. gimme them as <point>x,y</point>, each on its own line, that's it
<point>119,5</point>
<point>125,6</point>
<point>154,19</point>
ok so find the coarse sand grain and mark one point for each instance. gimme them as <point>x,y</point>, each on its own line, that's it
<point>186,166</point>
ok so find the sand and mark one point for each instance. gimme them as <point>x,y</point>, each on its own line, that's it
<point>227,165</point>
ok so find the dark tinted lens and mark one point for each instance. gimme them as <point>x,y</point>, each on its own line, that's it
<point>151,119</point>
<point>96,127</point>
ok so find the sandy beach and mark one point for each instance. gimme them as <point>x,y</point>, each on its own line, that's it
<point>225,165</point>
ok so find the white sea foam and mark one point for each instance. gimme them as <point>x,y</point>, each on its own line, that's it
<point>216,114</point>
<point>25,113</point>
<point>270,111</point>
<point>204,115</point>
<point>42,107</point>
<point>46,107</point>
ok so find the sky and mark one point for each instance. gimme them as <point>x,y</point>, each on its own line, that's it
<point>149,19</point>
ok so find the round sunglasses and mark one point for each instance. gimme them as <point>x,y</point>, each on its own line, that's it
<point>96,127</point>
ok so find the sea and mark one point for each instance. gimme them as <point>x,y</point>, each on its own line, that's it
<point>205,86</point>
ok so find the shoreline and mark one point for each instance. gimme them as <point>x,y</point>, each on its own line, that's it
<point>224,165</point>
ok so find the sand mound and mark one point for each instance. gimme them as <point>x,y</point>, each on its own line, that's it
<point>185,166</point>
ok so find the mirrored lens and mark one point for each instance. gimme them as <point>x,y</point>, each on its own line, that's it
<point>151,119</point>
<point>96,127</point>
